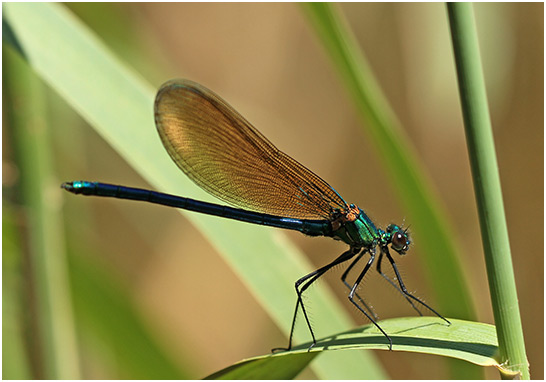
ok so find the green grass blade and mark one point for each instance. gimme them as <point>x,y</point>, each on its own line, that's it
<point>468,341</point>
<point>56,338</point>
<point>15,360</point>
<point>118,104</point>
<point>487,187</point>
<point>414,188</point>
<point>267,367</point>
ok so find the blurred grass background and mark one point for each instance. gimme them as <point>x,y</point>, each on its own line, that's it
<point>265,60</point>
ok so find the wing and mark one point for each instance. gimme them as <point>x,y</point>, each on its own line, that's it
<point>226,156</point>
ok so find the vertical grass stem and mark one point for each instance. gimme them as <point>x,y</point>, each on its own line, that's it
<point>487,188</point>
<point>58,355</point>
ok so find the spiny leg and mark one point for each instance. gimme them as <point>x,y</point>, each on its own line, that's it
<point>299,291</point>
<point>404,289</point>
<point>378,268</point>
<point>353,291</point>
<point>298,282</point>
<point>344,280</point>
<point>314,276</point>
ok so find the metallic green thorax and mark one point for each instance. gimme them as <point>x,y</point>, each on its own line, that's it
<point>358,233</point>
<point>355,228</point>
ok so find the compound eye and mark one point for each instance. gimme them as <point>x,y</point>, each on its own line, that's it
<point>399,242</point>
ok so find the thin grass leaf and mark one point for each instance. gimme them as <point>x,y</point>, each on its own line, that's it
<point>15,360</point>
<point>56,336</point>
<point>487,186</point>
<point>267,367</point>
<point>468,341</point>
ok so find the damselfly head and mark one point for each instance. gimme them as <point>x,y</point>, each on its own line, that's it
<point>398,238</point>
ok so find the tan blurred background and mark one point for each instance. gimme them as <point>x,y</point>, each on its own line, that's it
<point>266,61</point>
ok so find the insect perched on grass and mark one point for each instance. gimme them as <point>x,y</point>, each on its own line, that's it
<point>225,155</point>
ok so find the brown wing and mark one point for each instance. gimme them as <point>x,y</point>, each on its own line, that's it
<point>226,156</point>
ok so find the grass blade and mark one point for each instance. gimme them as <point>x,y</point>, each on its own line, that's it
<point>56,337</point>
<point>468,341</point>
<point>487,187</point>
<point>15,360</point>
